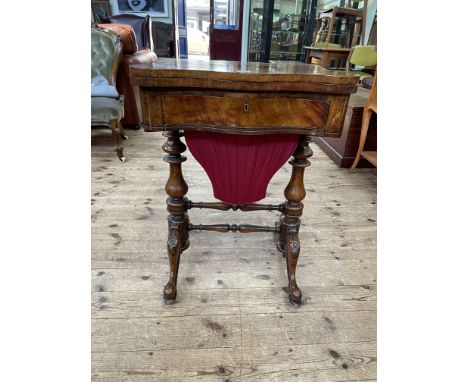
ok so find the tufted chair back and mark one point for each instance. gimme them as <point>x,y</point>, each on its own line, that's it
<point>106,52</point>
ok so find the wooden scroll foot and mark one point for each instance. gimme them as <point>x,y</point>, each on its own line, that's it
<point>178,221</point>
<point>288,242</point>
<point>175,246</point>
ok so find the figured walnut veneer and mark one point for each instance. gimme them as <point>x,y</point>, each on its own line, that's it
<point>258,99</point>
<point>243,111</point>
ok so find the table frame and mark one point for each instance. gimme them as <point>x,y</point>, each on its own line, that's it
<point>286,229</point>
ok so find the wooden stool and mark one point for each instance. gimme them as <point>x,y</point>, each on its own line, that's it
<point>349,13</point>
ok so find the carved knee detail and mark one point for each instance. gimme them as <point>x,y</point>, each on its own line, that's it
<point>294,245</point>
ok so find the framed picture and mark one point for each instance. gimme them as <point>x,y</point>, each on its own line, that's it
<point>154,8</point>
<point>100,8</point>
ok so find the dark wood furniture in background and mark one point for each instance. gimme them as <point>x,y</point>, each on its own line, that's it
<point>343,150</point>
<point>259,99</point>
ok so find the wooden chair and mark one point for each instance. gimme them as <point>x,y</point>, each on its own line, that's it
<point>358,14</point>
<point>369,108</point>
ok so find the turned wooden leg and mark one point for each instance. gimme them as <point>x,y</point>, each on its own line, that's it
<point>116,137</point>
<point>292,211</point>
<point>176,188</point>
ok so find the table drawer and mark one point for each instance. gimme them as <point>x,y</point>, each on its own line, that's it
<point>243,111</point>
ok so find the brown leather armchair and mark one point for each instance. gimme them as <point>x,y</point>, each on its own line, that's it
<point>134,53</point>
<point>140,24</point>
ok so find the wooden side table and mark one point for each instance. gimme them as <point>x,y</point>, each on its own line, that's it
<point>327,55</point>
<point>261,101</point>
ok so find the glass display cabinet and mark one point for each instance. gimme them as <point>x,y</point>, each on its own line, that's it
<point>278,29</point>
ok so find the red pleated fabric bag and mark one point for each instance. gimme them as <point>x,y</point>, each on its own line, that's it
<point>240,166</point>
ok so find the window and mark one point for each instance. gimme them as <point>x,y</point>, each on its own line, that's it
<point>154,8</point>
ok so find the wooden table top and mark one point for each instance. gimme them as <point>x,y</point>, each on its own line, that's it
<point>230,75</point>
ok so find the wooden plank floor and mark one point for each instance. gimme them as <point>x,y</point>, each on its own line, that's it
<point>232,320</point>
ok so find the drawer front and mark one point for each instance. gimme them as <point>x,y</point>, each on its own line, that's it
<point>243,111</point>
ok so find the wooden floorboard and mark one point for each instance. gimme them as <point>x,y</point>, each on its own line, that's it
<point>232,320</point>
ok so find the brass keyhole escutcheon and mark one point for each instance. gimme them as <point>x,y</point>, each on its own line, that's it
<point>246,107</point>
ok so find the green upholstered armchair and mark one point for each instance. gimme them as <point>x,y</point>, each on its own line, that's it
<point>107,106</point>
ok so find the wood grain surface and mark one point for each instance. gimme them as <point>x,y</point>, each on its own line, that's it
<point>243,110</point>
<point>233,71</point>
<point>257,98</point>
<point>232,320</point>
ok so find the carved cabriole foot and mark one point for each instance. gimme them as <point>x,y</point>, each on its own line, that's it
<point>292,249</point>
<point>176,188</point>
<point>290,221</point>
